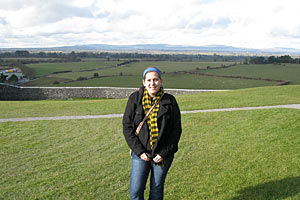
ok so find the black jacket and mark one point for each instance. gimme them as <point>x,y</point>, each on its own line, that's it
<point>168,121</point>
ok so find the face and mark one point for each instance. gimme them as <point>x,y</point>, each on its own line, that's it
<point>152,83</point>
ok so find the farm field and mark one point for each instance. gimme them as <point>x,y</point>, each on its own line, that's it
<point>134,68</point>
<point>42,69</point>
<point>287,71</point>
<point>223,155</point>
<point>187,75</point>
<point>177,81</point>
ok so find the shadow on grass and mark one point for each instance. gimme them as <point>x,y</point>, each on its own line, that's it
<point>278,189</point>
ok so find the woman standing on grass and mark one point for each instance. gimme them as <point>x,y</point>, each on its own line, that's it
<point>153,147</point>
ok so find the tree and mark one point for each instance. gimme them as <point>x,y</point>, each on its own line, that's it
<point>22,53</point>
<point>258,60</point>
<point>285,59</point>
<point>2,78</point>
<point>272,59</point>
<point>96,75</point>
<point>42,54</point>
<point>13,79</point>
<point>246,61</point>
<point>73,54</point>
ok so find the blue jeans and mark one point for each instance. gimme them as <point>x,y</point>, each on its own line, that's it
<point>139,174</point>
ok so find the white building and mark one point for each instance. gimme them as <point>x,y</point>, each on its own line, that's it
<point>13,71</point>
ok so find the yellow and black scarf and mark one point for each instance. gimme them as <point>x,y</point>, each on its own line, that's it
<point>148,102</point>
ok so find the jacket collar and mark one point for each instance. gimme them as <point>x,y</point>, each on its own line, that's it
<point>163,108</point>
<point>163,101</point>
<point>141,92</point>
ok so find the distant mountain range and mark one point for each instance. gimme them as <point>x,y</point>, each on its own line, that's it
<point>166,47</point>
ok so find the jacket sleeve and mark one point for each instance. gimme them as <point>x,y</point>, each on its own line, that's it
<point>171,145</point>
<point>129,128</point>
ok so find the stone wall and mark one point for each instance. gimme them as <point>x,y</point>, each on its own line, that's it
<point>9,92</point>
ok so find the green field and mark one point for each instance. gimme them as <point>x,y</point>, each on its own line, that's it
<point>177,81</point>
<point>130,75</point>
<point>135,68</point>
<point>288,72</point>
<point>42,69</point>
<point>222,155</point>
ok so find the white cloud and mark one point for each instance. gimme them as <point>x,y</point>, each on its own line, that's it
<point>242,23</point>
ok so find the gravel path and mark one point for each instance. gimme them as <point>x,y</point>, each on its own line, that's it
<point>292,106</point>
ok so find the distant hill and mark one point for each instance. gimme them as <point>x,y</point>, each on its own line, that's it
<point>166,47</point>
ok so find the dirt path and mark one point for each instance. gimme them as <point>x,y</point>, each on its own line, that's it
<point>292,106</point>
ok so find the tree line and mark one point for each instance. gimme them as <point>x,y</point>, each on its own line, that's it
<point>109,56</point>
<point>273,60</point>
<point>77,56</point>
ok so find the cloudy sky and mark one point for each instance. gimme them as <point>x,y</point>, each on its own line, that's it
<point>239,23</point>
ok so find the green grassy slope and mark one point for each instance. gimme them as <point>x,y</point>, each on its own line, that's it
<point>130,75</point>
<point>223,155</point>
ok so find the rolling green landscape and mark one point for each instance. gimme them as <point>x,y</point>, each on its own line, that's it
<point>187,75</point>
<point>235,155</point>
<point>70,68</point>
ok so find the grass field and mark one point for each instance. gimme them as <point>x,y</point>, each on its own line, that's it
<point>183,81</point>
<point>288,72</point>
<point>42,69</point>
<point>130,75</point>
<point>223,155</point>
<point>135,68</point>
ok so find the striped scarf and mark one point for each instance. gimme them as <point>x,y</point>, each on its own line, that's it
<point>148,102</point>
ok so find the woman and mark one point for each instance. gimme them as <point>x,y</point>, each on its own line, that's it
<point>154,147</point>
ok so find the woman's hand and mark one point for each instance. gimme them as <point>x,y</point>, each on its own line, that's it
<point>144,157</point>
<point>158,159</point>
